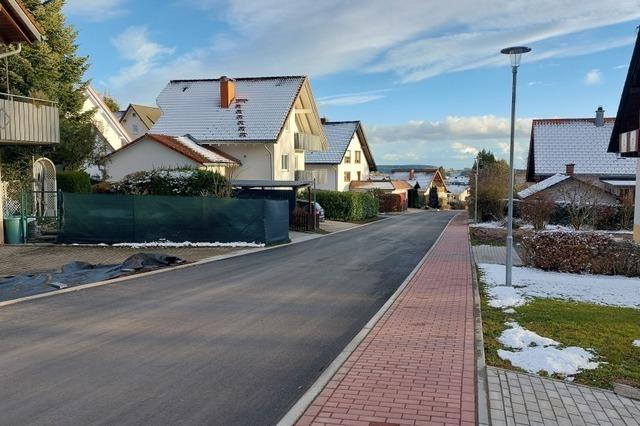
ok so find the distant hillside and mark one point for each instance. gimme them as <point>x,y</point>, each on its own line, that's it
<point>388,168</point>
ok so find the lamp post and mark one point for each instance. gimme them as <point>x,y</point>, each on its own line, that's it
<point>475,207</point>
<point>515,54</point>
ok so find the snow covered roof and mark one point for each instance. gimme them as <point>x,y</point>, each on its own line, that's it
<point>558,142</point>
<point>457,189</point>
<point>257,114</point>
<point>339,135</point>
<point>388,185</point>
<point>423,177</point>
<point>620,183</point>
<point>187,147</point>
<point>542,185</point>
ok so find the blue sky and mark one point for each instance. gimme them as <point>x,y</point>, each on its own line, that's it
<point>425,77</point>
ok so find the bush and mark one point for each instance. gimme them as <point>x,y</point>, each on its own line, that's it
<point>73,181</point>
<point>582,253</point>
<point>347,205</point>
<point>492,191</point>
<point>184,182</point>
<point>434,201</point>
<point>390,203</point>
<point>537,210</point>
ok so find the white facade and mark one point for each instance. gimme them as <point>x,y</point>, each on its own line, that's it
<point>146,155</point>
<point>133,124</point>
<point>104,121</point>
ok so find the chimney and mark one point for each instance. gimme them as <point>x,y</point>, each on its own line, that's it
<point>600,117</point>
<point>570,169</point>
<point>227,91</point>
<point>323,120</point>
<point>412,174</point>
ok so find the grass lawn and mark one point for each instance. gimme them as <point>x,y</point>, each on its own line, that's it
<point>607,330</point>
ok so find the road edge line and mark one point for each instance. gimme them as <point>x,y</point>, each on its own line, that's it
<point>175,268</point>
<point>314,390</point>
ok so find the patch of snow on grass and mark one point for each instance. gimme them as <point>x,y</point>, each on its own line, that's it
<point>636,343</point>
<point>504,297</point>
<point>535,353</point>
<point>530,282</point>
<point>518,337</point>
<point>566,361</point>
<point>489,225</point>
<point>186,244</point>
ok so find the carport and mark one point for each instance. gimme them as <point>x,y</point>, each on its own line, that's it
<point>280,190</point>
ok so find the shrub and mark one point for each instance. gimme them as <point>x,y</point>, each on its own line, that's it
<point>390,203</point>
<point>537,210</point>
<point>73,181</point>
<point>347,205</point>
<point>184,182</point>
<point>492,190</point>
<point>582,253</point>
<point>434,201</point>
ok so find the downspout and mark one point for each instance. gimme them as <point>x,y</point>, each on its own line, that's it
<point>270,161</point>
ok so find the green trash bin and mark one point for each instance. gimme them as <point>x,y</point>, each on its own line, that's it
<point>13,230</point>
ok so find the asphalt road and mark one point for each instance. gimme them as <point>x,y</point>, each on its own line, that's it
<point>234,342</point>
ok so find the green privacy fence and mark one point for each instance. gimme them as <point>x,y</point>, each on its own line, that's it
<point>111,218</point>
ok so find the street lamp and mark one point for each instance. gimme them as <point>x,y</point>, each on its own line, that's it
<point>475,207</point>
<point>515,55</point>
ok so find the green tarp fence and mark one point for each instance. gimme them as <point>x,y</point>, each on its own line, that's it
<point>111,218</point>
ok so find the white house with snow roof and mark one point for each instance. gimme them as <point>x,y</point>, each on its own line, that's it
<point>348,157</point>
<point>578,146</point>
<point>260,126</point>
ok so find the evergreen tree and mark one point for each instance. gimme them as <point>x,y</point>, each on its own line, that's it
<point>53,70</point>
<point>113,105</point>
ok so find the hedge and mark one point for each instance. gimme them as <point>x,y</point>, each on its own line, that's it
<point>582,252</point>
<point>73,181</point>
<point>391,203</point>
<point>347,206</point>
<point>184,182</point>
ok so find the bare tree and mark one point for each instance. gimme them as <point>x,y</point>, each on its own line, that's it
<point>537,209</point>
<point>580,200</point>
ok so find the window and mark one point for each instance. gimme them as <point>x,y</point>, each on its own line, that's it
<point>359,174</point>
<point>347,157</point>
<point>296,162</point>
<point>347,176</point>
<point>136,129</point>
<point>358,157</point>
<point>284,162</point>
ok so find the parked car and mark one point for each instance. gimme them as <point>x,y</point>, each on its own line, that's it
<point>304,204</point>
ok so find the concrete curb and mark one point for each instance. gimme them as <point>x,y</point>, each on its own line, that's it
<point>178,267</point>
<point>307,398</point>
<point>482,385</point>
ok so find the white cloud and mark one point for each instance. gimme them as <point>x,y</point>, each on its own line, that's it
<point>346,99</point>
<point>95,10</point>
<point>412,39</point>
<point>134,45</point>
<point>454,141</point>
<point>593,78</point>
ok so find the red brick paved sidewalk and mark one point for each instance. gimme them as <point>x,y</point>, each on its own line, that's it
<point>417,366</point>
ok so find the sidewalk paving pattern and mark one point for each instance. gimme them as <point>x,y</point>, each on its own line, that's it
<point>494,255</point>
<point>526,399</point>
<point>416,366</point>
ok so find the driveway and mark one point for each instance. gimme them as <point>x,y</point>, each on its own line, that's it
<point>234,342</point>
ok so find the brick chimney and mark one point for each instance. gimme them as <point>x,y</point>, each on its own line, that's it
<point>227,91</point>
<point>600,117</point>
<point>412,174</point>
<point>570,169</point>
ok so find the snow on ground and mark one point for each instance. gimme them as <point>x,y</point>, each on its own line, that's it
<point>518,337</point>
<point>636,343</point>
<point>534,353</point>
<point>186,244</point>
<point>490,225</point>
<point>550,228</point>
<point>531,282</point>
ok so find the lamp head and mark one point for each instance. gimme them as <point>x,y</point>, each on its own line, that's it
<point>515,54</point>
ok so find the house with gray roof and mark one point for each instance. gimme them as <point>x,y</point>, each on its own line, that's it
<point>265,124</point>
<point>579,146</point>
<point>348,157</point>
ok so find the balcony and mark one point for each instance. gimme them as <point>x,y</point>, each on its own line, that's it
<point>28,121</point>
<point>307,142</point>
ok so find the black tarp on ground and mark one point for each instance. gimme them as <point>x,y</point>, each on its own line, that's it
<point>77,273</point>
<point>111,218</point>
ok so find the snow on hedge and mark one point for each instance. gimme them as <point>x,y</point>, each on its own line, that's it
<point>636,343</point>
<point>531,282</point>
<point>534,353</point>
